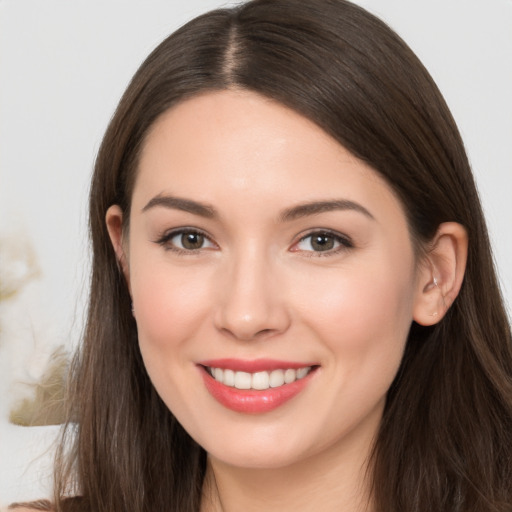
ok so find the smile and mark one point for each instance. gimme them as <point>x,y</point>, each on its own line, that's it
<point>255,387</point>
<point>259,380</point>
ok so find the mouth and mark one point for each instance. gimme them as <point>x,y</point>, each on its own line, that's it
<point>258,380</point>
<point>255,386</point>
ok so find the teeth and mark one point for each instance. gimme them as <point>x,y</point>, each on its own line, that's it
<point>290,375</point>
<point>242,380</point>
<point>258,380</point>
<point>276,378</point>
<point>218,374</point>
<point>302,372</point>
<point>229,378</point>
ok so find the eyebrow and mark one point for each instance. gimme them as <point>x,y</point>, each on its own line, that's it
<point>316,207</point>
<point>185,205</point>
<point>289,214</point>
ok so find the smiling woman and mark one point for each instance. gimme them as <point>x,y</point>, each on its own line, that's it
<point>293,300</point>
<point>244,304</point>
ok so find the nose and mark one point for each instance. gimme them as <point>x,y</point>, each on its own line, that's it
<point>252,301</point>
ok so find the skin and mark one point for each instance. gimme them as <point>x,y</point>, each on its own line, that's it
<point>258,288</point>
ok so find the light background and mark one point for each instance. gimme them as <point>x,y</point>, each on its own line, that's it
<point>64,66</point>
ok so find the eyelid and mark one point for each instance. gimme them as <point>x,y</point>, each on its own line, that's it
<point>344,241</point>
<point>165,238</point>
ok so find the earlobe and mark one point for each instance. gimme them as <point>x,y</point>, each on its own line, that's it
<point>114,222</point>
<point>441,273</point>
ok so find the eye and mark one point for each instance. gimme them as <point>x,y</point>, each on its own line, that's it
<point>186,240</point>
<point>323,241</point>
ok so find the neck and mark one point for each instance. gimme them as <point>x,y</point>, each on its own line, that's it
<point>330,481</point>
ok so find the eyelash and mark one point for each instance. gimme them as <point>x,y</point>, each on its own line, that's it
<point>165,239</point>
<point>344,242</point>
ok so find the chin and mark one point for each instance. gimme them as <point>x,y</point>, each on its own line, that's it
<point>266,457</point>
<point>270,446</point>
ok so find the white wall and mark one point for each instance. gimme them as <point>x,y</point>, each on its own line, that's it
<point>64,65</point>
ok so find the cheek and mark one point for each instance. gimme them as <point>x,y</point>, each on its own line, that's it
<point>362,319</point>
<point>170,307</point>
<point>169,303</point>
<point>363,316</point>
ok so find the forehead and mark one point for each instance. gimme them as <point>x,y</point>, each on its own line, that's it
<point>229,145</point>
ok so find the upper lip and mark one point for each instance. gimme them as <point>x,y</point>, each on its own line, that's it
<point>254,365</point>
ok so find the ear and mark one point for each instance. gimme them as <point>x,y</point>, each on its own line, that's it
<point>114,221</point>
<point>441,273</point>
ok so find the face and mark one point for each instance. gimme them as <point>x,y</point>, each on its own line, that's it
<point>273,280</point>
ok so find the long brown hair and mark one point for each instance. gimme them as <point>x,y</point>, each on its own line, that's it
<point>445,441</point>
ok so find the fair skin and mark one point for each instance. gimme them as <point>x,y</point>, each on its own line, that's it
<point>226,259</point>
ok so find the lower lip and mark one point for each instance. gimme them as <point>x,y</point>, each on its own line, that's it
<point>252,401</point>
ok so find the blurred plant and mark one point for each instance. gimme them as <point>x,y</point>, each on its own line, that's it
<point>33,367</point>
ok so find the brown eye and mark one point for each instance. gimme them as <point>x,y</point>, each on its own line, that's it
<point>186,240</point>
<point>192,241</point>
<point>322,242</point>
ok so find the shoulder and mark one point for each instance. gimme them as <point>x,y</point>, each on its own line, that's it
<point>70,504</point>
<point>32,506</point>
<point>22,508</point>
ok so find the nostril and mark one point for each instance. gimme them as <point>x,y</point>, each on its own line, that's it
<point>248,335</point>
<point>263,332</point>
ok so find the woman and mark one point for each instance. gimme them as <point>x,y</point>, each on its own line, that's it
<point>293,301</point>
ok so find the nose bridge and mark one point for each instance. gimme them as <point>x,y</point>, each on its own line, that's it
<point>252,304</point>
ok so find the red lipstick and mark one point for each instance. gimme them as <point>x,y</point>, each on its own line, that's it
<point>253,401</point>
